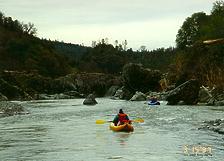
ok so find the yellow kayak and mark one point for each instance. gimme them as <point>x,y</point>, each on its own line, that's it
<point>125,127</point>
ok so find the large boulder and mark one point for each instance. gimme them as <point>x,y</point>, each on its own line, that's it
<point>159,95</point>
<point>11,108</point>
<point>90,100</point>
<point>97,83</point>
<point>111,91</point>
<point>186,92</point>
<point>139,96</point>
<point>3,98</point>
<point>13,92</point>
<point>213,125</point>
<point>123,93</point>
<point>204,95</point>
<point>217,97</point>
<point>137,78</point>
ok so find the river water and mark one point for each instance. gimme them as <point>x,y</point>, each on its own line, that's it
<point>65,130</point>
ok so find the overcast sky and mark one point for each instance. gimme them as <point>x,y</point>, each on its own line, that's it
<point>153,23</point>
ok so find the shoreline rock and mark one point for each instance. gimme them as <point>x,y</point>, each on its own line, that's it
<point>90,100</point>
<point>186,92</point>
<point>138,96</point>
<point>213,125</point>
<point>11,108</point>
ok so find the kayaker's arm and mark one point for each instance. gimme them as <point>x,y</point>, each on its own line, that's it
<point>116,119</point>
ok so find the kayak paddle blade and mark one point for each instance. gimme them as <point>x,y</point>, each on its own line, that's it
<point>100,121</point>
<point>138,120</point>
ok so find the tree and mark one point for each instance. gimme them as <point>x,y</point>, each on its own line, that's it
<point>125,43</point>
<point>93,44</point>
<point>116,43</point>
<point>142,48</point>
<point>1,18</point>
<point>190,31</point>
<point>218,8</point>
<point>29,28</point>
<point>216,24</point>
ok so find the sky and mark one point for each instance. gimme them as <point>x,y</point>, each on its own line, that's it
<point>152,23</point>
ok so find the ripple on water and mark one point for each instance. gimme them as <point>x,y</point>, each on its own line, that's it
<point>66,130</point>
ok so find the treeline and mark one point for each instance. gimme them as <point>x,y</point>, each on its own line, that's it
<point>198,56</point>
<point>108,58</point>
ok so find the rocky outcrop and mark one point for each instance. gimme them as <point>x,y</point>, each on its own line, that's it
<point>11,108</point>
<point>159,95</point>
<point>65,95</point>
<point>90,100</point>
<point>33,83</point>
<point>213,125</point>
<point>139,96</point>
<point>74,94</point>
<point>137,78</point>
<point>13,92</point>
<point>217,98</point>
<point>111,91</point>
<point>21,85</point>
<point>204,95</point>
<point>97,83</point>
<point>3,98</point>
<point>123,93</point>
<point>187,92</point>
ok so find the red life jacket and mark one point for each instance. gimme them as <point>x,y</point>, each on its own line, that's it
<point>122,117</point>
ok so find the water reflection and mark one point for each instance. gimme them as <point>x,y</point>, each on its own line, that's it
<point>122,137</point>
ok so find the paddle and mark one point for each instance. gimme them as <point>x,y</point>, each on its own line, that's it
<point>139,120</point>
<point>101,121</point>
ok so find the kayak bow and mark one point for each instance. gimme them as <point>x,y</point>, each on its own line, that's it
<point>126,127</point>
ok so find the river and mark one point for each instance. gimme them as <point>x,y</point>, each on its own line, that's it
<point>65,130</point>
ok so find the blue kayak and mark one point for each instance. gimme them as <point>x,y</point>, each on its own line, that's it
<point>153,103</point>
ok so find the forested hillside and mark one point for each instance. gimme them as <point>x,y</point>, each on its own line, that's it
<point>20,50</point>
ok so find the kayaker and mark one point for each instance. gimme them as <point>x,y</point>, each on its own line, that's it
<point>121,118</point>
<point>153,99</point>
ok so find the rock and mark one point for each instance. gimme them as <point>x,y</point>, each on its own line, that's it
<point>139,96</point>
<point>119,94</point>
<point>13,92</point>
<point>74,94</point>
<point>67,83</point>
<point>217,97</point>
<point>204,95</point>
<point>3,98</point>
<point>111,91</point>
<point>43,97</point>
<point>213,125</point>
<point>211,102</point>
<point>123,93</point>
<point>187,92</point>
<point>90,100</point>
<point>97,83</point>
<point>61,96</point>
<point>11,108</point>
<point>219,103</point>
<point>34,84</point>
<point>159,95</point>
<point>137,78</point>
<point>66,95</point>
